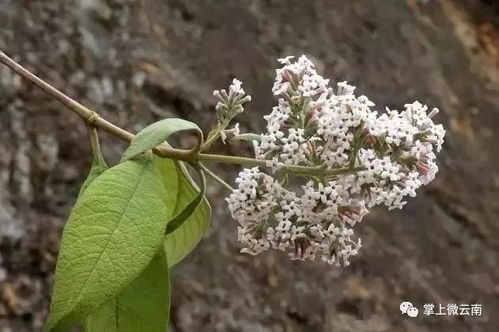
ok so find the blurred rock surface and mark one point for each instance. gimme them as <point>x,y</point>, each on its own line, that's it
<point>137,61</point>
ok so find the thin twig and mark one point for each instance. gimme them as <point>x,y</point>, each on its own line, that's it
<point>85,113</point>
<point>163,150</point>
<point>216,177</point>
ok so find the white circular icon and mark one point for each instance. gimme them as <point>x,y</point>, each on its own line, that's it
<point>412,312</point>
<point>409,309</point>
<point>404,306</point>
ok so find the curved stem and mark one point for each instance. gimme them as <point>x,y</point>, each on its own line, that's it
<point>199,143</point>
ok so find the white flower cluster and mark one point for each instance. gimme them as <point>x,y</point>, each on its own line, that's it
<point>271,216</point>
<point>353,157</point>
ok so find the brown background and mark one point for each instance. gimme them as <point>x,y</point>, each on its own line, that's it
<point>139,61</point>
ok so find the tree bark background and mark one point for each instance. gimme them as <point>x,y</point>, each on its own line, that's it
<point>137,61</point>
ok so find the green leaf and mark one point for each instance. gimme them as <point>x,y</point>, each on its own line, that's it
<point>113,232</point>
<point>99,165</point>
<point>185,237</point>
<point>156,133</point>
<point>143,306</point>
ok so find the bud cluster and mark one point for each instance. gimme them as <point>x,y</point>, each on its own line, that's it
<point>229,105</point>
<point>388,156</point>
